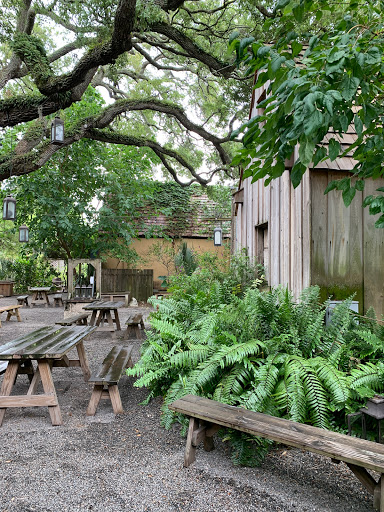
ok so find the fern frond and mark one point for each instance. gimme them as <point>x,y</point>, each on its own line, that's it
<point>232,385</point>
<point>333,380</point>
<point>366,379</point>
<point>167,328</point>
<point>192,357</point>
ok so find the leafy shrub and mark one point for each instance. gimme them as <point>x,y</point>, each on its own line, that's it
<point>262,351</point>
<point>33,271</point>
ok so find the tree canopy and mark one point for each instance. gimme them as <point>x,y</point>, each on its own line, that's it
<point>324,77</point>
<point>154,60</point>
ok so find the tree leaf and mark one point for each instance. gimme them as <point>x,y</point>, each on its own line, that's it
<point>348,195</point>
<point>349,86</point>
<point>334,149</point>
<point>306,150</point>
<point>297,173</point>
<point>358,125</point>
<point>321,153</point>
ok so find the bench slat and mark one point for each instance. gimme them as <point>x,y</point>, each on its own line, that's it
<point>72,319</point>
<point>10,308</point>
<point>55,342</point>
<point>113,366</point>
<point>332,444</point>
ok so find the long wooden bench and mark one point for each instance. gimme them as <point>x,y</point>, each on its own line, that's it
<point>207,417</point>
<point>106,378</point>
<point>133,322</point>
<point>80,319</point>
<point>11,311</point>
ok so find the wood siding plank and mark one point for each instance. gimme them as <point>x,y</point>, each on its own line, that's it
<point>373,254</point>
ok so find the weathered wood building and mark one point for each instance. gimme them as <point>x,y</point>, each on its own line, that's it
<point>304,237</point>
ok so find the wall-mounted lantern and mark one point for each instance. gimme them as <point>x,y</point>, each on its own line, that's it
<point>57,131</point>
<point>23,233</point>
<point>9,208</point>
<point>217,236</point>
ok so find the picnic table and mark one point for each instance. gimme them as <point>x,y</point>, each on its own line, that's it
<point>40,295</point>
<point>48,346</point>
<point>102,311</point>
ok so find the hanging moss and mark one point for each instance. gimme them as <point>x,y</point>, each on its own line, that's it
<point>31,50</point>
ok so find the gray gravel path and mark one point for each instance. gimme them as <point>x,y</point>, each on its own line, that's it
<point>129,463</point>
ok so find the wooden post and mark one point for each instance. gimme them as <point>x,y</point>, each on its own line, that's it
<point>49,389</point>
<point>190,450</point>
<point>8,382</point>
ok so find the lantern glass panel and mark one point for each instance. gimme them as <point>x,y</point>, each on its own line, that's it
<point>217,236</point>
<point>57,131</point>
<point>23,234</point>
<point>9,208</point>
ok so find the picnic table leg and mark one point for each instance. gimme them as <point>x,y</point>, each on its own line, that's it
<point>18,314</point>
<point>93,317</point>
<point>34,382</point>
<point>114,395</point>
<point>95,399</point>
<point>46,299</point>
<point>109,319</point>
<point>29,370</point>
<point>83,361</point>
<point>117,321</point>
<point>49,389</point>
<point>34,298</point>
<point>100,318</point>
<point>8,383</point>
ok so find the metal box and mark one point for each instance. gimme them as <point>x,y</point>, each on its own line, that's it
<point>333,303</point>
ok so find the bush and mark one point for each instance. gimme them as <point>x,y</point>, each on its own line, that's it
<point>34,271</point>
<point>262,351</point>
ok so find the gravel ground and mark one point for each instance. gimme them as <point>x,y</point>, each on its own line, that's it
<point>129,463</point>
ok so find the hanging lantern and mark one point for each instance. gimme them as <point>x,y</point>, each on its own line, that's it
<point>9,208</point>
<point>217,236</point>
<point>57,131</point>
<point>23,233</point>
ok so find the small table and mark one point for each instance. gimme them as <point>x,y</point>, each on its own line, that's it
<point>49,347</point>
<point>40,295</point>
<point>101,311</point>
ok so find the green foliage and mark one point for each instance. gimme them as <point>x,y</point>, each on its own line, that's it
<point>262,351</point>
<point>31,271</point>
<point>31,50</point>
<point>333,83</point>
<point>185,260</point>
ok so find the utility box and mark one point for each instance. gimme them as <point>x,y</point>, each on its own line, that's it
<point>354,306</point>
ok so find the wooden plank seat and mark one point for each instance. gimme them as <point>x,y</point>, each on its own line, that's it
<point>22,300</point>
<point>133,322</point>
<point>106,378</point>
<point>58,299</point>
<point>207,417</point>
<point>12,310</point>
<point>80,319</point>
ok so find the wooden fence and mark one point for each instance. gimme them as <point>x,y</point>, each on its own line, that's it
<point>138,282</point>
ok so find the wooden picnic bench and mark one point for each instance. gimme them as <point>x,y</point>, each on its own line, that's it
<point>107,377</point>
<point>80,319</point>
<point>11,311</point>
<point>22,300</point>
<point>49,347</point>
<point>58,300</point>
<point>133,321</point>
<point>207,417</point>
